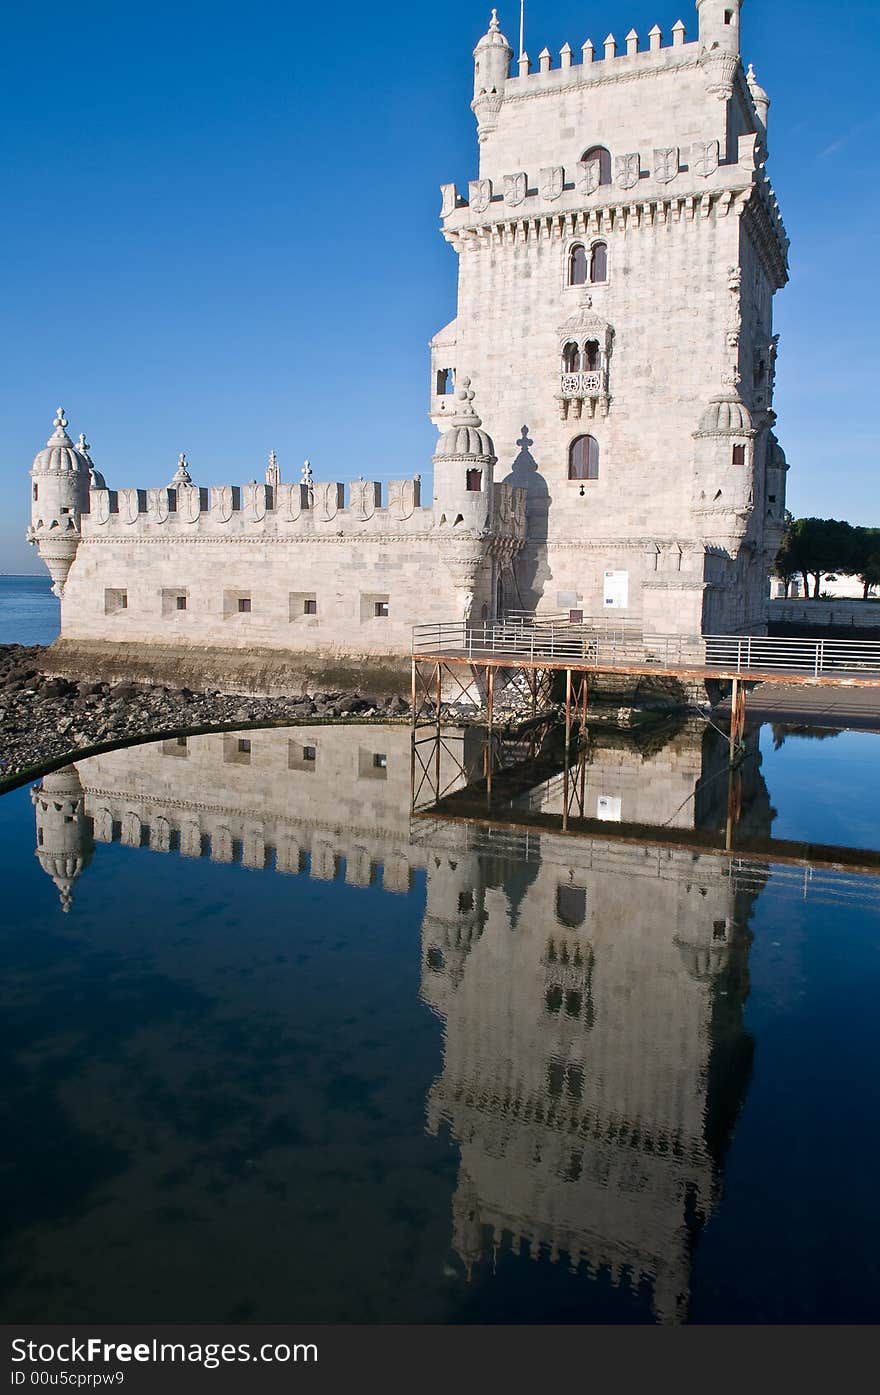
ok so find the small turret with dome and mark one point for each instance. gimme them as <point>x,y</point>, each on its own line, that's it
<point>463,462</point>
<point>492,57</point>
<point>60,478</point>
<point>64,836</point>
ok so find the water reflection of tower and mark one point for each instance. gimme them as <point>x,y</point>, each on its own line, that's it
<point>595,1057</point>
<point>64,832</point>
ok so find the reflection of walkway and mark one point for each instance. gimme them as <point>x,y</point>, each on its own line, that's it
<point>832,707</point>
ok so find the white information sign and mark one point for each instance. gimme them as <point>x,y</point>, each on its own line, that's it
<point>609,807</point>
<point>616,590</point>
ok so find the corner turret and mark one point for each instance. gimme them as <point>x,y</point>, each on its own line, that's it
<point>492,57</point>
<point>463,463</point>
<point>60,478</point>
<point>64,836</point>
<point>719,24</point>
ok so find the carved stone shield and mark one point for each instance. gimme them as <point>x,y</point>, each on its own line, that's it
<point>589,175</point>
<point>514,189</point>
<point>704,157</point>
<point>480,194</point>
<point>627,170</point>
<point>448,199</point>
<point>551,182</point>
<point>666,163</point>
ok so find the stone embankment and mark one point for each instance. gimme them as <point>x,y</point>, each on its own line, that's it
<point>44,718</point>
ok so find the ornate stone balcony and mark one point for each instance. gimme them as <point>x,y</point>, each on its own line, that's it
<point>583,394</point>
<point>582,384</point>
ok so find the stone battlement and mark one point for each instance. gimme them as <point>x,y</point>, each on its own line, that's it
<point>612,62</point>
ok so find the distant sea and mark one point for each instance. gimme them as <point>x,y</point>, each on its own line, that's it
<point>29,613</point>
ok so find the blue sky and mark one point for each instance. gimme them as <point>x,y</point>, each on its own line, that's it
<point>220,231</point>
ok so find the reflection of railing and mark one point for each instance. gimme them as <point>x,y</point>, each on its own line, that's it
<point>587,643</point>
<point>581,384</point>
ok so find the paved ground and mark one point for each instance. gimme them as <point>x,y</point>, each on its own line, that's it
<point>820,707</point>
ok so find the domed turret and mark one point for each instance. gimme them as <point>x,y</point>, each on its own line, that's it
<point>64,837</point>
<point>59,496</point>
<point>492,57</point>
<point>724,479</point>
<point>719,24</point>
<point>96,479</point>
<point>761,101</point>
<point>463,462</point>
<point>725,414</point>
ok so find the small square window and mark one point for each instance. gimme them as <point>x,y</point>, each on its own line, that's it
<point>244,605</point>
<point>381,608</point>
<point>310,753</point>
<point>181,741</point>
<point>380,761</point>
<point>180,602</point>
<point>115,600</point>
<point>310,606</point>
<point>465,902</point>
<point>244,746</point>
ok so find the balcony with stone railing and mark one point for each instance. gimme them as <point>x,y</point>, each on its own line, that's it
<point>582,394</point>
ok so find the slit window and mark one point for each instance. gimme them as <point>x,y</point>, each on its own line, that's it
<point>244,605</point>
<point>583,458</point>
<point>475,481</point>
<point>739,455</point>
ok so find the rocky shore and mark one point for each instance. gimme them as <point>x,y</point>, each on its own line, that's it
<point>44,717</point>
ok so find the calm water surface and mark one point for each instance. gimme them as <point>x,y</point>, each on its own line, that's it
<point>275,1051</point>
<point>29,613</point>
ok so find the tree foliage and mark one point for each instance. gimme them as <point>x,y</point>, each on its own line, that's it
<point>814,546</point>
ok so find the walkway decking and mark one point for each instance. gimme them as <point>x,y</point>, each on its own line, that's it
<point>583,648</point>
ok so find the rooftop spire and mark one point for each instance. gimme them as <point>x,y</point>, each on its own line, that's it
<point>465,414</point>
<point>181,474</point>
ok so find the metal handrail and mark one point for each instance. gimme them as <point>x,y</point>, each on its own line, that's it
<point>579,642</point>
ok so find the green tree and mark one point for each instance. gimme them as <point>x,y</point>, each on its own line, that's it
<point>868,558</point>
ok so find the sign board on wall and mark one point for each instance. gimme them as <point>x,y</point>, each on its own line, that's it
<point>616,590</point>
<point>610,808</point>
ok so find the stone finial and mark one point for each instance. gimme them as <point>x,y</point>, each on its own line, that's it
<point>565,55</point>
<point>655,38</point>
<point>465,414</point>
<point>632,43</point>
<point>82,445</point>
<point>181,474</point>
<point>273,470</point>
<point>59,435</point>
<point>610,46</point>
<point>494,26</point>
<point>545,58</point>
<point>587,51</point>
<point>525,64</point>
<point>678,33</point>
<point>307,476</point>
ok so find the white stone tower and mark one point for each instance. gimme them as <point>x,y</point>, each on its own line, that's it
<point>60,478</point>
<point>618,255</point>
<point>64,836</point>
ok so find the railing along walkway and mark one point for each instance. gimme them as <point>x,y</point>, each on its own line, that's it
<point>583,646</point>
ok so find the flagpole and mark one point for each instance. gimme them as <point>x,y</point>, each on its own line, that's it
<point>522,25</point>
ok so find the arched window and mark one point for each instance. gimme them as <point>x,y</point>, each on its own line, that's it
<point>599,262</point>
<point>591,356</point>
<point>577,266</point>
<point>597,164</point>
<point>583,458</point>
<point>571,359</point>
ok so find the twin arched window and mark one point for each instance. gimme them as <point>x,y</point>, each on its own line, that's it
<point>588,265</point>
<point>581,359</point>
<point>583,458</point>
